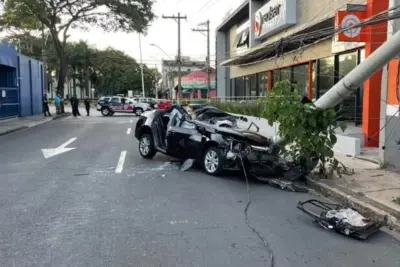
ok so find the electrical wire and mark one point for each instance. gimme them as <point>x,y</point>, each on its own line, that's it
<point>263,240</point>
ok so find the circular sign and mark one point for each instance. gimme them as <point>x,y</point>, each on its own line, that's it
<point>349,21</point>
<point>258,24</point>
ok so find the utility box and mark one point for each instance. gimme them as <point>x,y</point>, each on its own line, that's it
<point>130,93</point>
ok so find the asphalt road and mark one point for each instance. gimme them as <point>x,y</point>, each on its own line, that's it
<point>82,208</point>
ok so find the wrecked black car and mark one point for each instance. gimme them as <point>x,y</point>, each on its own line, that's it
<point>215,116</point>
<point>174,133</point>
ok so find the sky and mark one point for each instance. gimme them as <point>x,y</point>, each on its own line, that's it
<point>164,32</point>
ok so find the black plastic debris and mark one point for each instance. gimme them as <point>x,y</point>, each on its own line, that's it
<point>341,219</point>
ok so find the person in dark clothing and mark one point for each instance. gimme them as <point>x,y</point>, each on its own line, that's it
<point>87,106</point>
<point>46,109</point>
<point>75,106</point>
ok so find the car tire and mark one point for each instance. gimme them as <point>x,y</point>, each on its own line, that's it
<point>213,161</point>
<point>138,111</point>
<point>105,112</point>
<point>146,146</point>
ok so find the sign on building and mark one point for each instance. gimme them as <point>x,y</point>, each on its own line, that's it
<point>274,16</point>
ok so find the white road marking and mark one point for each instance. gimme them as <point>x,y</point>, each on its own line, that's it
<point>120,164</point>
<point>51,152</point>
<point>129,131</point>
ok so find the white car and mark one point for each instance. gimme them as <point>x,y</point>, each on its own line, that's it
<point>109,105</point>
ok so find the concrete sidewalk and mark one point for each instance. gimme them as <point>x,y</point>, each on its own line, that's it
<point>21,123</point>
<point>370,189</point>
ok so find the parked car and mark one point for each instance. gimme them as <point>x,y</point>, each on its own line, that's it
<point>174,133</point>
<point>164,104</point>
<point>108,105</point>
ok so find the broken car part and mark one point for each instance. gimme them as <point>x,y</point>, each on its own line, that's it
<point>344,220</point>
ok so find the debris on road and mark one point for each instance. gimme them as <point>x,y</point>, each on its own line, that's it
<point>187,164</point>
<point>344,220</point>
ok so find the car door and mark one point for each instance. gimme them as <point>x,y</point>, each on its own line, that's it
<point>128,105</point>
<point>116,105</point>
<point>179,139</point>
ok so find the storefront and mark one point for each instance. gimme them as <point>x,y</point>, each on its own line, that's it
<point>289,42</point>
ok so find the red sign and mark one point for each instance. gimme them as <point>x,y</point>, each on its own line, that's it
<point>347,20</point>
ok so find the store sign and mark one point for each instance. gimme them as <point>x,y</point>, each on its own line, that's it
<point>241,43</point>
<point>273,17</point>
<point>347,22</point>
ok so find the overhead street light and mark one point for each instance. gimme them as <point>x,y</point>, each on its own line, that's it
<point>155,45</point>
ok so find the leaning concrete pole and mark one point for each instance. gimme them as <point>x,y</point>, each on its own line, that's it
<point>354,79</point>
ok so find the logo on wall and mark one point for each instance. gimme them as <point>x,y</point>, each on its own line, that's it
<point>349,21</point>
<point>258,24</point>
<point>261,18</point>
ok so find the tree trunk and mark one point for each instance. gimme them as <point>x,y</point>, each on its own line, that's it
<point>62,74</point>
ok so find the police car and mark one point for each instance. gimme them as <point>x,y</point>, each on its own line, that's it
<point>108,105</point>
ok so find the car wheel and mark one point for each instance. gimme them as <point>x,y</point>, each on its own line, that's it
<point>138,111</point>
<point>146,146</point>
<point>213,161</point>
<point>105,112</point>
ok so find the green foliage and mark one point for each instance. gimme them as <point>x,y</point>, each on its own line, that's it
<point>309,132</point>
<point>58,17</point>
<point>396,200</point>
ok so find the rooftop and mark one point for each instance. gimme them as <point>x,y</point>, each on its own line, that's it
<point>241,13</point>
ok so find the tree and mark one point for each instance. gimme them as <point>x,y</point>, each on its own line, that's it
<point>59,16</point>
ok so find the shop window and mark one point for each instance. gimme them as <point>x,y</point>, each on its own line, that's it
<point>262,83</point>
<point>326,75</point>
<point>300,78</point>
<point>286,74</point>
<point>239,88</point>
<point>253,86</point>
<point>347,109</point>
<point>276,77</point>
<point>246,92</point>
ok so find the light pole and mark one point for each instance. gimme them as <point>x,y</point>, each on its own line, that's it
<point>141,63</point>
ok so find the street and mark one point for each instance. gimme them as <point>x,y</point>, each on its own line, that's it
<point>101,204</point>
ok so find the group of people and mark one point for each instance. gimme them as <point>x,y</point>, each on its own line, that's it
<point>59,103</point>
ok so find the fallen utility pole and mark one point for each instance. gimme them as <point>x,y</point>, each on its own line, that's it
<point>207,30</point>
<point>355,78</point>
<point>362,72</point>
<point>178,59</point>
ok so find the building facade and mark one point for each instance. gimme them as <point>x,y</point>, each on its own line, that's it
<point>168,67</point>
<point>263,42</point>
<point>21,83</point>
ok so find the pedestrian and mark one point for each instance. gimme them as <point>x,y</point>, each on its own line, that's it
<point>62,105</point>
<point>57,102</point>
<point>75,106</point>
<point>87,106</point>
<point>46,109</point>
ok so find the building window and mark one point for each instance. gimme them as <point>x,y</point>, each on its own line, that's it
<point>326,79</point>
<point>276,77</point>
<point>246,91</point>
<point>286,74</point>
<point>300,77</point>
<point>262,83</point>
<point>347,110</point>
<point>239,88</point>
<point>253,86</point>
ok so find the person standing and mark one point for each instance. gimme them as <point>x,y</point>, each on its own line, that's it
<point>46,109</point>
<point>75,106</point>
<point>57,102</point>
<point>87,106</point>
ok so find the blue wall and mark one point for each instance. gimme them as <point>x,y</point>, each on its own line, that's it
<point>21,81</point>
<point>31,85</point>
<point>9,92</point>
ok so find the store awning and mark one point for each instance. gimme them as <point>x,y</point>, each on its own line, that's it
<point>196,80</point>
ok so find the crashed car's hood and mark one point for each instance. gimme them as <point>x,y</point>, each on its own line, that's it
<point>254,137</point>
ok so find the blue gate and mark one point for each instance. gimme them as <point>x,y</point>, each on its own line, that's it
<point>9,92</point>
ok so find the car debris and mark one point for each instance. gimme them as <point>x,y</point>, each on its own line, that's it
<point>174,133</point>
<point>341,219</point>
<point>187,164</point>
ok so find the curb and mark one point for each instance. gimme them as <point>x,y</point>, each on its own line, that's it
<point>372,209</point>
<point>27,127</point>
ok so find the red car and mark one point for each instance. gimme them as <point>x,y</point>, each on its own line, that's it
<point>164,104</point>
